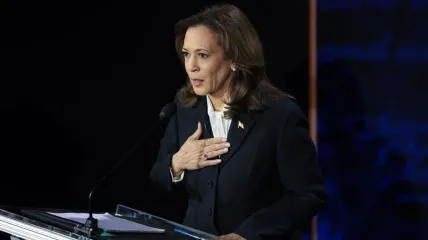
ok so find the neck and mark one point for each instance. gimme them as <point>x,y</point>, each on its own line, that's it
<point>217,102</point>
<point>217,98</point>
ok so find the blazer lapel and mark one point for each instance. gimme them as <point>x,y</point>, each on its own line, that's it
<point>202,116</point>
<point>239,128</point>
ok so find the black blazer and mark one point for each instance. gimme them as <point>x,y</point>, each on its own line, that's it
<point>269,184</point>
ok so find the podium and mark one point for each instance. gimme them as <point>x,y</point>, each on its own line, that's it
<point>32,224</point>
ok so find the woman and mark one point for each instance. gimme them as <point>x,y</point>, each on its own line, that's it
<point>238,144</point>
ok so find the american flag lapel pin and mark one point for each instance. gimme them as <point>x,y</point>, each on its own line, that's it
<point>240,125</point>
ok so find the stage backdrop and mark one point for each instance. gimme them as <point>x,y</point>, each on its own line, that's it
<point>372,117</point>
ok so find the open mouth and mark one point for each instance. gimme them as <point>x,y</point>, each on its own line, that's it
<point>197,82</point>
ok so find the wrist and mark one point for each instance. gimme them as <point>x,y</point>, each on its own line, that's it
<point>175,166</point>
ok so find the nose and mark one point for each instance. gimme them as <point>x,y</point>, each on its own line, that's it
<point>192,65</point>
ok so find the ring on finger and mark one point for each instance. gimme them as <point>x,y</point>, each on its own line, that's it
<point>205,155</point>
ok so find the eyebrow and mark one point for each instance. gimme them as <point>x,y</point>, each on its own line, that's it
<point>197,50</point>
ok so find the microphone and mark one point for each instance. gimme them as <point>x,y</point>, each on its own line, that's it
<point>91,225</point>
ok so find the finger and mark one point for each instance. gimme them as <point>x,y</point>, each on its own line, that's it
<point>215,147</point>
<point>197,134</point>
<point>211,141</point>
<point>215,153</point>
<point>208,163</point>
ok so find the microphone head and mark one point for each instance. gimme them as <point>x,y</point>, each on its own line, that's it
<point>168,111</point>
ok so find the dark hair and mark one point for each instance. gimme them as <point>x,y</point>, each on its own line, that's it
<point>251,88</point>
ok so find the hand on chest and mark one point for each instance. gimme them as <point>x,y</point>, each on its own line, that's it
<point>251,155</point>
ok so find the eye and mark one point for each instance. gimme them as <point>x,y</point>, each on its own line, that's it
<point>203,55</point>
<point>185,54</point>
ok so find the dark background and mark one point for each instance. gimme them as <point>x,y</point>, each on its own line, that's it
<point>81,81</point>
<point>373,118</point>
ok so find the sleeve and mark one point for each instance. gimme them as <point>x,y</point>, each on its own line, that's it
<point>300,175</point>
<point>176,179</point>
<point>160,174</point>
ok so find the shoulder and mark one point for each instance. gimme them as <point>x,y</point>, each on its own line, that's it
<point>284,118</point>
<point>191,112</point>
<point>282,113</point>
<point>177,101</point>
<point>198,101</point>
<point>283,107</point>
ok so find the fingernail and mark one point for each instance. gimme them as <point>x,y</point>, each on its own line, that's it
<point>227,144</point>
<point>224,139</point>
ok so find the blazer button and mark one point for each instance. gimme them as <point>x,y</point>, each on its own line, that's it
<point>210,184</point>
<point>210,212</point>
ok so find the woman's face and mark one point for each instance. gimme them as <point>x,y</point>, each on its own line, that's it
<point>206,65</point>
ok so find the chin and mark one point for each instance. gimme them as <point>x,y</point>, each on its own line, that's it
<point>200,92</point>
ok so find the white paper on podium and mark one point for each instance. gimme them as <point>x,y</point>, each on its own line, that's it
<point>110,223</point>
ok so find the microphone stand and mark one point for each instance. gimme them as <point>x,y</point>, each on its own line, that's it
<point>91,227</point>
